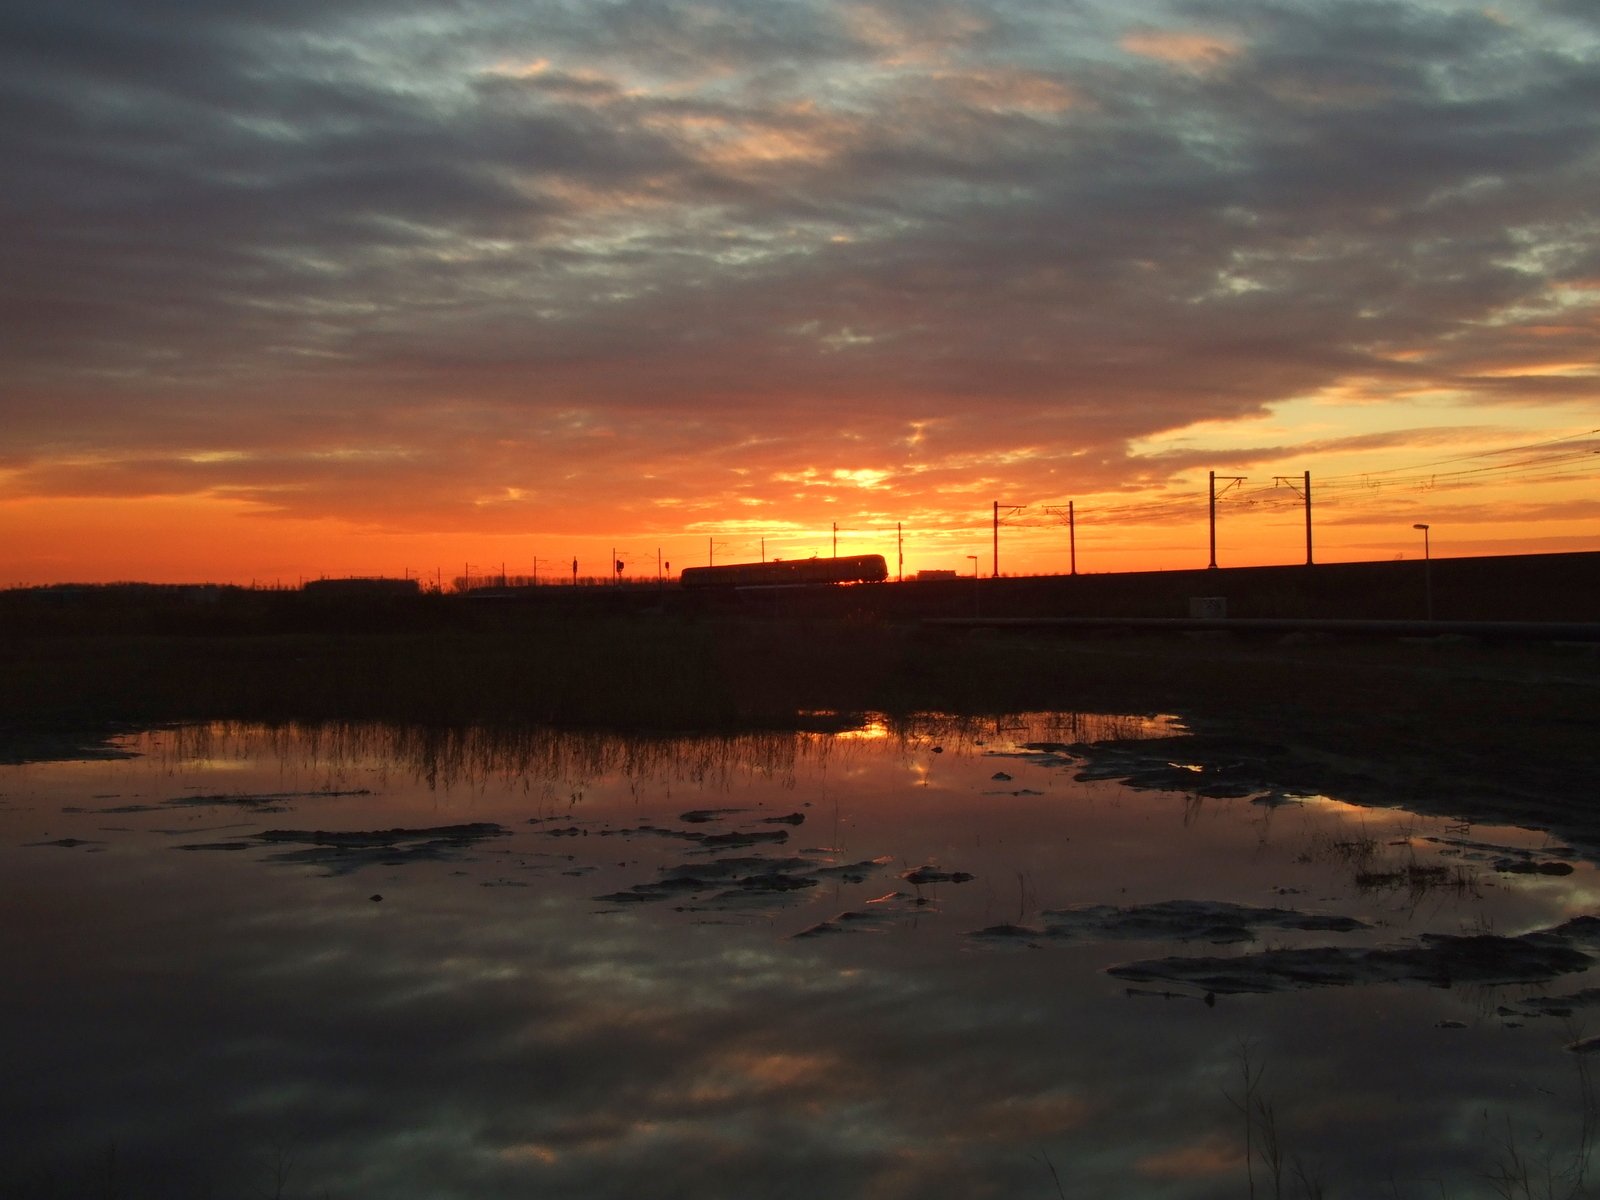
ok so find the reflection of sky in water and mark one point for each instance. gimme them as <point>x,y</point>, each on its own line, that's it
<point>490,1029</point>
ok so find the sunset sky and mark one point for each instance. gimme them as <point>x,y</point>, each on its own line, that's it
<point>291,289</point>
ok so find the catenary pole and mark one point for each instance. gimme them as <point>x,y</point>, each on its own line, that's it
<point>1211,492</point>
<point>1308,519</point>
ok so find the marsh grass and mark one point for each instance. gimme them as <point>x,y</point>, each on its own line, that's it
<point>1528,1165</point>
<point>1283,1174</point>
<point>556,764</point>
<point>1376,866</point>
<point>1418,880</point>
<point>1523,1164</point>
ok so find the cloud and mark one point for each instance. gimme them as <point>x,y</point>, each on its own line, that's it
<point>1195,50</point>
<point>534,249</point>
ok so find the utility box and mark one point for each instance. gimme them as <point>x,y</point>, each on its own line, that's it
<point>1208,608</point>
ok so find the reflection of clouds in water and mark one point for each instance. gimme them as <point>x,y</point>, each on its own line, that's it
<point>1207,1157</point>
<point>696,1059</point>
<point>456,1041</point>
<point>750,1060</point>
<point>557,1075</point>
<point>797,1087</point>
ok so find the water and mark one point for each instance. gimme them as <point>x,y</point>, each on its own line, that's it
<point>568,965</point>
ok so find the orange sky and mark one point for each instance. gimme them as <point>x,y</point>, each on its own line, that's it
<point>325,294</point>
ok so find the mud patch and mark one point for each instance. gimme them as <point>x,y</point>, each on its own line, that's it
<point>20,746</point>
<point>1180,920</point>
<point>921,876</point>
<point>343,852</point>
<point>1553,1006</point>
<point>67,843</point>
<point>261,802</point>
<point>1215,767</point>
<point>751,881</point>
<point>876,916</point>
<point>1439,960</point>
<point>701,816</point>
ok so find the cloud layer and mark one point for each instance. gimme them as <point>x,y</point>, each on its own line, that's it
<point>656,265</point>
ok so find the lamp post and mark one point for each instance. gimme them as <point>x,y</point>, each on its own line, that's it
<point>1427,569</point>
<point>974,559</point>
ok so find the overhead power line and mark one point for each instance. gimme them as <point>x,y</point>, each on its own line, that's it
<point>1577,458</point>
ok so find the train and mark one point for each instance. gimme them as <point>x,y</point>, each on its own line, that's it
<point>798,572</point>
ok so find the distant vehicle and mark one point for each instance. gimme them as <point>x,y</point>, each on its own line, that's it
<point>799,572</point>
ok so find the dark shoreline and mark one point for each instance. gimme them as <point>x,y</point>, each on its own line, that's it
<point>1480,731</point>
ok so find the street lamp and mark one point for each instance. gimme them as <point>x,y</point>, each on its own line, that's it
<point>1427,569</point>
<point>974,559</point>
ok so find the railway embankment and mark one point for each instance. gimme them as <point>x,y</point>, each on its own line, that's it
<point>1507,588</point>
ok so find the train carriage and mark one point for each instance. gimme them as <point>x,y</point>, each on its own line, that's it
<point>799,572</point>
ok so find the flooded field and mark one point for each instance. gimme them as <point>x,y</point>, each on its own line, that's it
<point>1048,956</point>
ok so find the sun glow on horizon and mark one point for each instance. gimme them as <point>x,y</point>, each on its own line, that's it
<point>1374,473</point>
<point>694,282</point>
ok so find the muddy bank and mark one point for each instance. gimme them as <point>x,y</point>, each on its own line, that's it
<point>1481,732</point>
<point>1273,761</point>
